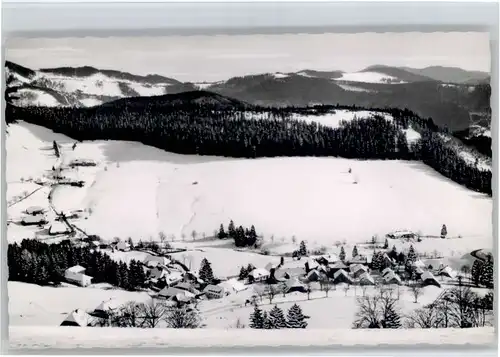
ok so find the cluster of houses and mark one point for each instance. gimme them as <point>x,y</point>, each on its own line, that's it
<point>36,216</point>
<point>329,268</point>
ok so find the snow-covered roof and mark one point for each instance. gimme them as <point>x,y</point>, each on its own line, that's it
<point>331,258</point>
<point>34,209</point>
<point>33,219</point>
<point>367,277</point>
<point>111,304</point>
<point>419,264</point>
<point>356,267</point>
<point>427,275</point>
<point>80,317</point>
<point>312,263</point>
<point>391,276</point>
<point>338,265</point>
<point>340,272</point>
<point>259,273</point>
<point>386,271</point>
<point>448,272</point>
<point>214,289</point>
<point>76,269</point>
<point>270,266</point>
<point>59,228</point>
<point>173,277</point>
<point>233,284</point>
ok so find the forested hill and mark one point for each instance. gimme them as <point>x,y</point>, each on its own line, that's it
<point>204,123</point>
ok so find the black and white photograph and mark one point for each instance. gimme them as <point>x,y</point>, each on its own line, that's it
<point>329,182</point>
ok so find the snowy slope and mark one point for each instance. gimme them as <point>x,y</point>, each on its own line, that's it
<point>36,97</point>
<point>137,191</point>
<point>368,77</point>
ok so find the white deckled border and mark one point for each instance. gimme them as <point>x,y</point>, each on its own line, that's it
<point>41,337</point>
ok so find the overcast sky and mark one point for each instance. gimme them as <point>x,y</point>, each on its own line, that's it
<point>212,58</point>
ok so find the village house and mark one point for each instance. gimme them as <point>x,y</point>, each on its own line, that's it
<point>105,308</point>
<point>341,276</point>
<point>33,220</point>
<point>288,273</point>
<point>233,286</point>
<point>313,275</point>
<point>34,210</point>
<point>76,274</point>
<point>327,259</point>
<point>293,285</point>
<point>154,261</point>
<point>123,246</point>
<point>357,270</point>
<point>258,275</point>
<point>363,259</point>
<point>180,295</point>
<point>77,318</point>
<point>59,228</point>
<point>447,272</point>
<point>188,287</point>
<point>366,279</point>
<point>429,279</point>
<point>402,234</point>
<point>336,267</point>
<point>214,291</point>
<point>386,271</point>
<point>392,278</point>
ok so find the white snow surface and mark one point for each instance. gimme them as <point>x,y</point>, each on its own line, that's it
<point>90,102</point>
<point>40,98</point>
<point>35,337</point>
<point>138,191</point>
<point>368,77</point>
<point>334,119</point>
<point>411,135</point>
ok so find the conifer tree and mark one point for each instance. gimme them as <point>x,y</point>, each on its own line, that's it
<point>205,273</point>
<point>476,271</point>
<point>486,276</point>
<point>295,317</point>
<point>252,236</point>
<point>303,249</point>
<point>267,322</point>
<point>392,319</point>
<point>386,244</point>
<point>342,254</point>
<point>277,318</point>
<point>412,255</point>
<point>355,251</point>
<point>243,273</point>
<point>230,229</point>
<point>444,231</point>
<point>222,234</point>
<point>256,318</point>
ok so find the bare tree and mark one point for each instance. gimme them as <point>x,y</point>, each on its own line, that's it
<point>367,315</point>
<point>294,239</point>
<point>416,290</point>
<point>429,317</point>
<point>308,289</point>
<point>162,237</point>
<point>346,288</point>
<point>326,285</point>
<point>194,234</point>
<point>238,324</point>
<point>363,289</point>
<point>462,303</point>
<point>152,313</point>
<point>182,318</point>
<point>271,292</point>
<point>131,315</point>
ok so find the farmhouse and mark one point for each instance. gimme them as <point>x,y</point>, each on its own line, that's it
<point>233,285</point>
<point>337,266</point>
<point>361,259</point>
<point>313,275</point>
<point>104,308</point>
<point>366,279</point>
<point>387,271</point>
<point>172,292</point>
<point>429,279</point>
<point>34,210</point>
<point>292,285</point>
<point>33,220</point>
<point>153,261</point>
<point>328,259</point>
<point>214,291</point>
<point>419,264</point>
<point>402,234</point>
<point>341,276</point>
<point>77,318</point>
<point>188,287</point>
<point>76,274</point>
<point>448,272</point>
<point>258,274</point>
<point>357,270</point>
<point>123,246</point>
<point>59,228</point>
<point>288,273</point>
<point>392,278</point>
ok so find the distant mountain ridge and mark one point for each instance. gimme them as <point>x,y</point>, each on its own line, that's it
<point>379,86</point>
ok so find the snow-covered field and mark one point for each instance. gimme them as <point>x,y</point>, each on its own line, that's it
<point>38,97</point>
<point>83,338</point>
<point>138,191</point>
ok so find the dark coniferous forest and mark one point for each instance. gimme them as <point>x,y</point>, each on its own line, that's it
<point>204,123</point>
<point>35,262</point>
